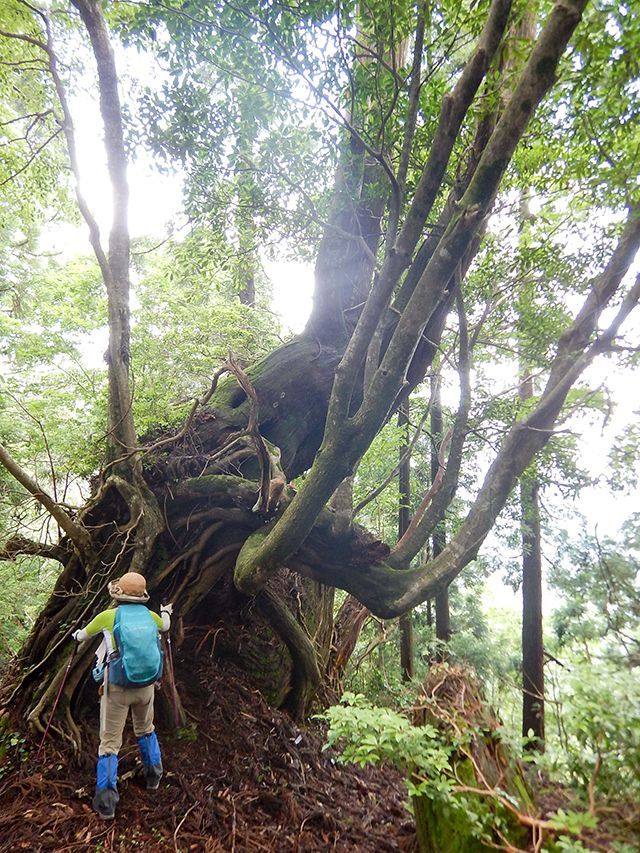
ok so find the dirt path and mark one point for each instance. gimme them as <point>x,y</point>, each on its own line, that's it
<point>249,780</point>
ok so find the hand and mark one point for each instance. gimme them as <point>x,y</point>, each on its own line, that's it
<point>76,635</point>
<point>167,608</point>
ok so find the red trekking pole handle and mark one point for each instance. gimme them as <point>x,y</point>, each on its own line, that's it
<point>55,704</point>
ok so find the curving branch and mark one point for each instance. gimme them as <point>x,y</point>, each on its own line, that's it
<point>306,675</point>
<point>578,346</point>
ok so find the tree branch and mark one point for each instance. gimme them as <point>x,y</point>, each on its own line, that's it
<point>19,545</point>
<point>410,121</point>
<point>410,544</point>
<point>74,531</point>
<point>536,80</point>
<point>431,492</point>
<point>373,494</point>
<point>454,109</point>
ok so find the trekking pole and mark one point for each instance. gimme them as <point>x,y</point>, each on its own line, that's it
<point>55,704</point>
<point>172,681</point>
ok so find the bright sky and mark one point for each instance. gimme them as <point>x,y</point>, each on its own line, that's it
<point>292,292</point>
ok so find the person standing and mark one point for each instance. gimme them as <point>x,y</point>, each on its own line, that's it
<point>131,647</point>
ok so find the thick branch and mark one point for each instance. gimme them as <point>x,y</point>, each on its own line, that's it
<point>410,121</point>
<point>74,531</point>
<point>454,110</point>
<point>19,545</point>
<point>536,80</point>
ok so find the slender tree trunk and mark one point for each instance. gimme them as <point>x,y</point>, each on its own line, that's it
<point>404,518</point>
<point>115,265</point>
<point>443,622</point>
<point>532,641</point>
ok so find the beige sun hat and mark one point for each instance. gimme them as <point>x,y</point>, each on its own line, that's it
<point>130,587</point>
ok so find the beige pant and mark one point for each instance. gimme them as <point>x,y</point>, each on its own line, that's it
<point>114,709</point>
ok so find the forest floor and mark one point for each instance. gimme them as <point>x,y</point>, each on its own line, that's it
<point>240,777</point>
<point>248,779</point>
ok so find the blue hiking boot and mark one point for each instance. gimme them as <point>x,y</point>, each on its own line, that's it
<point>106,796</point>
<point>151,760</point>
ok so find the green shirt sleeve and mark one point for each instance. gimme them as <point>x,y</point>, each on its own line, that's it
<point>102,622</point>
<point>157,619</point>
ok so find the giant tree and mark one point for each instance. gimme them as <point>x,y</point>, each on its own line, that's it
<point>206,512</point>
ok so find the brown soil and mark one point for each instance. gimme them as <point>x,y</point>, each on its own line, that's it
<point>249,780</point>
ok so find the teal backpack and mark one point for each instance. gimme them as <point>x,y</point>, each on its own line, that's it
<point>138,658</point>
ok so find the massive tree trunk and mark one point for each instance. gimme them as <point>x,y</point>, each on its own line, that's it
<point>200,481</point>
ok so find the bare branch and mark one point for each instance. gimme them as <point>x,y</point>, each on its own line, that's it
<point>437,502</point>
<point>414,94</point>
<point>253,429</point>
<point>33,156</point>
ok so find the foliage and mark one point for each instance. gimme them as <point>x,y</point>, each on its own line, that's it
<point>26,583</point>
<point>599,581</point>
<point>442,776</point>
<point>32,162</point>
<point>370,735</point>
<point>186,322</point>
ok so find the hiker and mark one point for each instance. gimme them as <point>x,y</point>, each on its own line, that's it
<point>129,664</point>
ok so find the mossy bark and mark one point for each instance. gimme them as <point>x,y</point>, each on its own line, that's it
<point>452,701</point>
